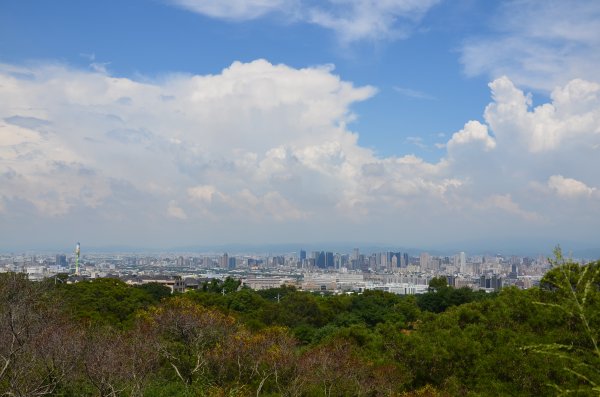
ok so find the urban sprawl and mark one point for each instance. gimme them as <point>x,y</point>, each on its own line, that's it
<point>316,271</point>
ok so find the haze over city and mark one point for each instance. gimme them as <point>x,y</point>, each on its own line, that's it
<point>451,125</point>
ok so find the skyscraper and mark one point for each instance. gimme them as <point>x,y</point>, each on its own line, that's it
<point>424,261</point>
<point>320,260</point>
<point>232,262</point>
<point>405,260</point>
<point>224,261</point>
<point>61,260</point>
<point>462,262</point>
<point>329,259</point>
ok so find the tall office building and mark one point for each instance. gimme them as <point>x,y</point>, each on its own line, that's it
<point>514,271</point>
<point>435,263</point>
<point>224,261</point>
<point>462,262</point>
<point>396,260</point>
<point>424,261</point>
<point>61,260</point>
<point>320,260</point>
<point>329,259</point>
<point>383,259</point>
<point>232,263</point>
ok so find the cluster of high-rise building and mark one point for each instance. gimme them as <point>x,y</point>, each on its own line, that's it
<point>393,271</point>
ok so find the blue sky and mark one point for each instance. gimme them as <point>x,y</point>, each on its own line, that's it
<point>416,123</point>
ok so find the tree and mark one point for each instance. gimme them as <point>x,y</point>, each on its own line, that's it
<point>444,297</point>
<point>262,360</point>
<point>186,332</point>
<point>105,301</point>
<point>335,369</point>
<point>39,346</point>
<point>437,284</point>
<point>575,292</point>
<point>374,307</point>
<point>230,285</point>
<point>104,361</point>
<point>157,291</point>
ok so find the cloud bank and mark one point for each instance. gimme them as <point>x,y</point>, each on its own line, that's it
<point>264,153</point>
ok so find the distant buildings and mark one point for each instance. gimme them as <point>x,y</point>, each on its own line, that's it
<point>323,270</point>
<point>490,283</point>
<point>176,284</point>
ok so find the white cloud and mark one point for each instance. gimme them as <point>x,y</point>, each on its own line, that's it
<point>417,141</point>
<point>202,193</point>
<point>351,20</point>
<point>272,204</point>
<point>366,19</point>
<point>569,188</point>
<point>50,177</point>
<point>232,9</point>
<point>173,210</point>
<point>506,204</point>
<point>411,93</point>
<point>243,204</point>
<point>538,44</point>
<point>473,132</point>
<point>573,116</point>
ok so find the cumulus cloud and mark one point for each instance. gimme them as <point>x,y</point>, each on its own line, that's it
<point>257,141</point>
<point>569,187</point>
<point>539,44</point>
<point>473,133</point>
<point>351,20</point>
<point>266,150</point>
<point>35,169</point>
<point>66,128</point>
<point>572,117</point>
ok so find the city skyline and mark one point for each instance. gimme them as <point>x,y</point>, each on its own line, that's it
<point>574,251</point>
<point>385,269</point>
<point>436,125</point>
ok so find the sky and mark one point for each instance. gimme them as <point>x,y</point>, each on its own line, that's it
<point>412,123</point>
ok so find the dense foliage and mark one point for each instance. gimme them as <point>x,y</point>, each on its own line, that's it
<point>106,338</point>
